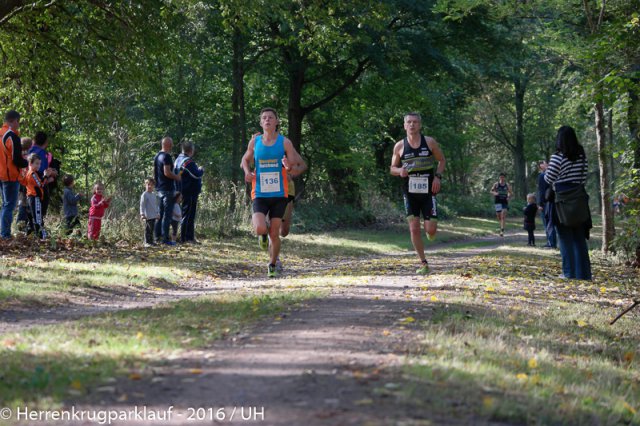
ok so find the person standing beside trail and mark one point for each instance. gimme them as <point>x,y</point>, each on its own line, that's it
<point>567,171</point>
<point>11,161</point>
<point>269,181</point>
<point>190,186</point>
<point>544,206</point>
<point>502,193</point>
<point>419,161</point>
<point>165,185</point>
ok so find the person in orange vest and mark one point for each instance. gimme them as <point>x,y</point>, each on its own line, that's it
<point>11,161</point>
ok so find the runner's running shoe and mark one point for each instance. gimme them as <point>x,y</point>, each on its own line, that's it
<point>271,271</point>
<point>263,242</point>
<point>424,269</point>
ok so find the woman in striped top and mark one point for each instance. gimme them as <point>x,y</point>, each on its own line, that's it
<point>567,170</point>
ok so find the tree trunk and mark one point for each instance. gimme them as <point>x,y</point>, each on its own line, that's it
<point>633,121</point>
<point>612,164</point>
<point>518,152</point>
<point>608,229</point>
<point>239,128</point>
<point>295,112</point>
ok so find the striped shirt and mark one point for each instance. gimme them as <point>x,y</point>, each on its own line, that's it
<point>561,170</point>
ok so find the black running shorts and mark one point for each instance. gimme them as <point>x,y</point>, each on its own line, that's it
<point>421,204</point>
<point>273,207</point>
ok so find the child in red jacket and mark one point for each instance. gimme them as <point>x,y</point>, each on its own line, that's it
<point>98,205</point>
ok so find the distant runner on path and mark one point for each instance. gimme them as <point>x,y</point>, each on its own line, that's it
<point>418,160</point>
<point>502,193</point>
<point>269,181</point>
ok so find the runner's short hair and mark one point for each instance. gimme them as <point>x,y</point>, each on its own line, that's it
<point>413,114</point>
<point>503,174</point>
<point>267,109</point>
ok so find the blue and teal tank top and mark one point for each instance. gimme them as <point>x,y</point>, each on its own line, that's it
<point>271,177</point>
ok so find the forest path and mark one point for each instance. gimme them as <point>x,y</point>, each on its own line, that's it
<point>335,360</point>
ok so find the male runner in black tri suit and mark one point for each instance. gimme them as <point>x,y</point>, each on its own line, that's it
<point>420,162</point>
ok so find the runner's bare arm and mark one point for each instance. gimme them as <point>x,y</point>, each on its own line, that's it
<point>439,156</point>
<point>295,162</point>
<point>247,160</point>
<point>396,168</point>
<point>493,190</point>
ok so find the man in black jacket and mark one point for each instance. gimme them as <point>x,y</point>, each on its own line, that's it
<point>541,200</point>
<point>190,187</point>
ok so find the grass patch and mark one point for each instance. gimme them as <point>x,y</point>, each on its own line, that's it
<point>508,342</point>
<point>43,365</point>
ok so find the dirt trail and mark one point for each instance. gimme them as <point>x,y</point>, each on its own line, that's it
<point>337,360</point>
<point>13,320</point>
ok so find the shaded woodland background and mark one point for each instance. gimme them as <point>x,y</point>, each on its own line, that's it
<point>492,79</point>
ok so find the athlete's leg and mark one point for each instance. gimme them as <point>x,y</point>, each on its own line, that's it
<point>503,216</point>
<point>431,223</point>
<point>416,236</point>
<point>285,227</point>
<point>430,228</point>
<point>274,235</point>
<point>259,221</point>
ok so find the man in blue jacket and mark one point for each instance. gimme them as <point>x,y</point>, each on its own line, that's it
<point>190,187</point>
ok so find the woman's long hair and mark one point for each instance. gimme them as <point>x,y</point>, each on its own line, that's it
<point>567,143</point>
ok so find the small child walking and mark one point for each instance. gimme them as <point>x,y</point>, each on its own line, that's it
<point>530,212</point>
<point>70,204</point>
<point>149,210</point>
<point>176,217</point>
<point>35,194</point>
<point>96,212</point>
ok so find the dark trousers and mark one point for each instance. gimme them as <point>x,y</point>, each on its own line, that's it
<point>167,200</point>
<point>550,231</point>
<point>574,252</point>
<point>36,223</point>
<point>187,227</point>
<point>149,227</point>
<point>46,200</point>
<point>532,240</point>
<point>71,222</point>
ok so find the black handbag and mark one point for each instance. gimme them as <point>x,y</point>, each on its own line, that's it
<point>572,207</point>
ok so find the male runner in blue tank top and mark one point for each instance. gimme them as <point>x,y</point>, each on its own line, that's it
<point>269,181</point>
<point>418,160</point>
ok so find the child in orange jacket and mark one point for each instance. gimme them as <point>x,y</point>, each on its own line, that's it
<point>35,193</point>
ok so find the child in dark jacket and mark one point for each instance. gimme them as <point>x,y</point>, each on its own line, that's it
<point>530,212</point>
<point>70,204</point>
